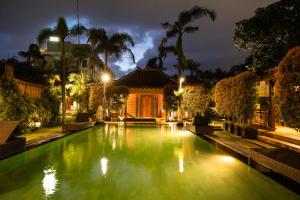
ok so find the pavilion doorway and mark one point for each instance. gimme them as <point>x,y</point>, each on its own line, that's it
<point>147,106</point>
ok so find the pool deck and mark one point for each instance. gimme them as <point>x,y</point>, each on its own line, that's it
<point>256,153</point>
<point>44,136</point>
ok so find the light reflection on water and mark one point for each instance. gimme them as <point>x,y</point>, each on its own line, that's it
<point>104,165</point>
<point>50,182</point>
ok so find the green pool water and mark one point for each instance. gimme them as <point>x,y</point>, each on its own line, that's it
<point>117,162</point>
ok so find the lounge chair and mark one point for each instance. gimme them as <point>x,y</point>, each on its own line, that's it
<point>9,144</point>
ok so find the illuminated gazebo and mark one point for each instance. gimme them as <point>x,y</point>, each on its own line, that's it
<point>146,92</point>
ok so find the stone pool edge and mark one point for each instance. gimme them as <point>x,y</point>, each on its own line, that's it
<point>248,157</point>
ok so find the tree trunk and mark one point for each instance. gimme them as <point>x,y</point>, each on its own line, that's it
<point>63,81</point>
<point>105,62</point>
<point>180,57</point>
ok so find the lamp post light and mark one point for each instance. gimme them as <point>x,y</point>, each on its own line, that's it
<point>105,78</point>
<point>181,80</point>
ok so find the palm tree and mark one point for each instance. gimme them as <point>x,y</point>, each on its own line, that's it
<point>62,31</point>
<point>162,53</point>
<point>178,29</point>
<point>115,44</point>
<point>33,55</point>
<point>78,86</point>
<point>181,27</point>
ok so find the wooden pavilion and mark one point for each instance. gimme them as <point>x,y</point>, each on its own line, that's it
<point>146,92</point>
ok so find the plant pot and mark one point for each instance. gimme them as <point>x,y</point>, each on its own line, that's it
<point>231,128</point>
<point>238,130</point>
<point>225,126</point>
<point>204,129</point>
<point>249,132</point>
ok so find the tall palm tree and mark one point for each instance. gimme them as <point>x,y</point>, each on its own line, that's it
<point>181,27</point>
<point>62,31</point>
<point>178,29</point>
<point>162,53</point>
<point>115,44</point>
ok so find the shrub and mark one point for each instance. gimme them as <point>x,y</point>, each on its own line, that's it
<point>95,97</point>
<point>235,97</point>
<point>48,108</point>
<point>117,97</point>
<point>287,88</point>
<point>170,100</point>
<point>14,105</point>
<point>196,99</point>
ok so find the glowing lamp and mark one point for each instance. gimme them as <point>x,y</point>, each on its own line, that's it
<point>54,39</point>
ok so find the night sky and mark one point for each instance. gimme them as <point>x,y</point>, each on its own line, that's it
<point>21,21</point>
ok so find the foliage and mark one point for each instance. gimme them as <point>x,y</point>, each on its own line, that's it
<point>48,108</point>
<point>18,106</point>
<point>62,31</point>
<point>33,56</point>
<point>95,97</point>
<point>264,103</point>
<point>117,97</point>
<point>195,99</point>
<point>78,89</point>
<point>201,120</point>
<point>269,33</point>
<point>14,104</point>
<point>157,62</point>
<point>115,44</point>
<point>182,26</point>
<point>170,100</point>
<point>235,97</point>
<point>288,88</point>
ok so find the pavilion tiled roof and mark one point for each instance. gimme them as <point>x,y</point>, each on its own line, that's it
<point>146,78</point>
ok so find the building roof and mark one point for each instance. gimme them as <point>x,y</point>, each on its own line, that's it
<point>146,78</point>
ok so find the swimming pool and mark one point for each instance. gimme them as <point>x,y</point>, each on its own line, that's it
<point>140,162</point>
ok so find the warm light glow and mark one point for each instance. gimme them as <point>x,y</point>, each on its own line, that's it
<point>37,124</point>
<point>49,182</point>
<point>113,144</point>
<point>181,167</point>
<point>181,79</point>
<point>104,163</point>
<point>54,39</point>
<point>105,77</point>
<point>180,84</point>
<point>227,159</point>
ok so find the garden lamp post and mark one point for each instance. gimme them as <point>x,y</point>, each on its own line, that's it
<point>105,78</point>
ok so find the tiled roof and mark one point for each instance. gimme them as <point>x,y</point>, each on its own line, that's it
<point>146,78</point>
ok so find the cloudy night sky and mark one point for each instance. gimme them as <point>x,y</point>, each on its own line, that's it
<point>212,45</point>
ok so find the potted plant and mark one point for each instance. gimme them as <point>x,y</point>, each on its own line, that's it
<point>201,124</point>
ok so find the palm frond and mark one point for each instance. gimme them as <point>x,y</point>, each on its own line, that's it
<point>190,29</point>
<point>78,30</point>
<point>130,53</point>
<point>195,12</point>
<point>171,49</point>
<point>121,39</point>
<point>172,32</point>
<point>167,25</point>
<point>44,34</point>
<point>61,28</point>
<point>97,37</point>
